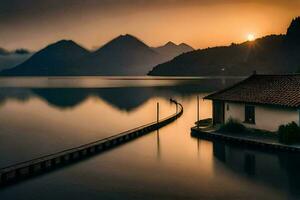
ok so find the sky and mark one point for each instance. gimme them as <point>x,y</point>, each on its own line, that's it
<point>33,24</point>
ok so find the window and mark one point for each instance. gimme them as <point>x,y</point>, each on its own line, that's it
<point>250,114</point>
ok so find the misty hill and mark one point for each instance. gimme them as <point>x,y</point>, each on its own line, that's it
<point>171,50</point>
<point>9,59</point>
<point>3,51</point>
<point>21,51</point>
<point>271,54</point>
<point>55,59</point>
<point>124,55</point>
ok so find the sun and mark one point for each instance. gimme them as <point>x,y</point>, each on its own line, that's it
<point>250,37</point>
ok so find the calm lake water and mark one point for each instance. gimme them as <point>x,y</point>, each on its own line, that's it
<point>44,115</point>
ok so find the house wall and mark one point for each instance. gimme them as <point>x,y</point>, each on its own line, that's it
<point>266,117</point>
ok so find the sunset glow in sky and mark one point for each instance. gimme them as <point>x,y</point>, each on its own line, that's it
<point>250,37</point>
<point>201,23</point>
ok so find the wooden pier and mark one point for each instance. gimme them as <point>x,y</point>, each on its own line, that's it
<point>30,168</point>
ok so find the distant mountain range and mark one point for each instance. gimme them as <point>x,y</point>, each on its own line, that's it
<point>271,54</point>
<point>124,55</point>
<point>127,55</point>
<point>171,50</point>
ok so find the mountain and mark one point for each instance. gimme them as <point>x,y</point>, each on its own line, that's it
<point>55,59</point>
<point>271,54</point>
<point>122,56</point>
<point>171,50</point>
<point>293,32</point>
<point>127,55</point>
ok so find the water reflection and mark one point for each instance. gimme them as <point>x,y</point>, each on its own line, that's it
<point>46,120</point>
<point>167,164</point>
<point>123,98</point>
<point>278,170</point>
<point>158,145</point>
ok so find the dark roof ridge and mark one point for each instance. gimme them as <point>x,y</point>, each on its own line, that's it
<point>273,89</point>
<point>230,87</point>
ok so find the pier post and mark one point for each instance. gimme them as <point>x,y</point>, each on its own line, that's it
<point>9,176</point>
<point>66,157</point>
<point>47,164</point>
<point>299,117</point>
<point>157,112</point>
<point>198,118</point>
<point>100,147</point>
<point>36,167</point>
<point>23,171</point>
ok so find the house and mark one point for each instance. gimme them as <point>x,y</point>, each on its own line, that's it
<point>260,101</point>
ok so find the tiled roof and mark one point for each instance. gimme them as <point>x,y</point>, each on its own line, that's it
<point>282,90</point>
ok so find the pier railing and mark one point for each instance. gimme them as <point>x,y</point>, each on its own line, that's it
<point>30,168</point>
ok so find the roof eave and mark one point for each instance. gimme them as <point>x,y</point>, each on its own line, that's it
<point>249,102</point>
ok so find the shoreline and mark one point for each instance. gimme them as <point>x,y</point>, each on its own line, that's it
<point>256,143</point>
